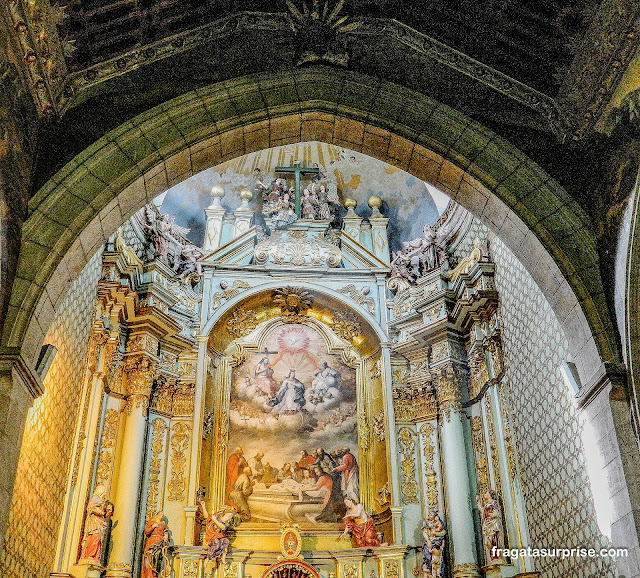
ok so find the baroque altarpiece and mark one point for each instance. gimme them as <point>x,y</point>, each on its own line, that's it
<point>293,399</point>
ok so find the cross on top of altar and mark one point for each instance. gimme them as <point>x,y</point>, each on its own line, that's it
<point>297,171</point>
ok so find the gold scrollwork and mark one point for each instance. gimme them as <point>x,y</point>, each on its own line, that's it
<point>409,486</point>
<point>346,325</point>
<point>378,427</point>
<point>190,568</point>
<point>478,371</point>
<point>350,571</point>
<point>242,322</point>
<point>391,569</point>
<point>493,445</point>
<point>179,445</point>
<point>157,445</point>
<point>363,431</point>
<point>508,436</point>
<point>230,570</point>
<point>429,451</point>
<point>480,454</point>
<point>448,390</point>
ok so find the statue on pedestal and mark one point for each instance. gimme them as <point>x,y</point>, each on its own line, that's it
<point>434,538</point>
<point>94,527</point>
<point>157,548</point>
<point>492,528</point>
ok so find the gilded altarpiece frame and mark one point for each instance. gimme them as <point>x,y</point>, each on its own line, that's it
<point>370,448</point>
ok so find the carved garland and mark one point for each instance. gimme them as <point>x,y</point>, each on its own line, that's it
<point>179,445</point>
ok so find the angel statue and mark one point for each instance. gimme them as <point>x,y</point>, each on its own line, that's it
<point>434,537</point>
<point>420,255</point>
<point>162,231</point>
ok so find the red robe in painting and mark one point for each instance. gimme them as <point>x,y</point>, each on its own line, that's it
<point>235,465</point>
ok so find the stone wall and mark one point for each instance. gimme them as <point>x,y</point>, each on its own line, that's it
<point>548,434</point>
<point>40,486</point>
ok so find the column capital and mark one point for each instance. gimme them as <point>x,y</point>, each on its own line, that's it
<point>449,393</point>
<point>13,363</point>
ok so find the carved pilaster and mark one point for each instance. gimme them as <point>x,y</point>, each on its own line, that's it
<point>406,447</point>
<point>155,466</point>
<point>428,450</point>
<point>480,454</point>
<point>478,371</point>
<point>179,451</point>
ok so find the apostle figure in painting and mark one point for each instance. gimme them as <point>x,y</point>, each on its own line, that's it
<point>157,547</point>
<point>94,527</point>
<point>290,396</point>
<point>434,536</point>
<point>235,465</point>
<point>286,473</point>
<point>215,539</point>
<point>258,467</point>
<point>359,525</point>
<point>349,474</point>
<point>242,489</point>
<point>332,505</point>
<point>324,460</point>
<point>263,376</point>
<point>492,528</point>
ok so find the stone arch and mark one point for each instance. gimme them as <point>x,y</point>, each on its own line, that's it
<point>75,211</point>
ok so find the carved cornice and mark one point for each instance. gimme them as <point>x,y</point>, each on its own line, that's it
<point>599,64</point>
<point>79,84</point>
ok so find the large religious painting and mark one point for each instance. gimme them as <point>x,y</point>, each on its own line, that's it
<point>292,431</point>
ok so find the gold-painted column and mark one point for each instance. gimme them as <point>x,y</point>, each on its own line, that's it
<point>140,371</point>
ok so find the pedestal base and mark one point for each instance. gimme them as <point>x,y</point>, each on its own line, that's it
<point>118,571</point>
<point>466,571</point>
<point>500,571</point>
<point>85,571</point>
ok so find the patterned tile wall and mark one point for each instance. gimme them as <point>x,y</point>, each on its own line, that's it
<point>548,436</point>
<point>41,478</point>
